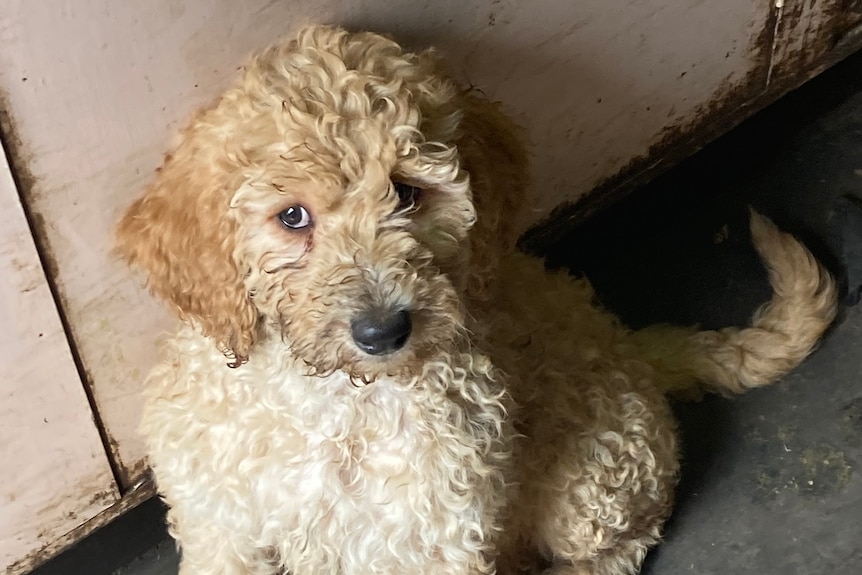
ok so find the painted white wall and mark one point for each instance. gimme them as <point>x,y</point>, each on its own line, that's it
<point>55,470</point>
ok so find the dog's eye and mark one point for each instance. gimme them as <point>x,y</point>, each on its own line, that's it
<point>408,196</point>
<point>295,218</point>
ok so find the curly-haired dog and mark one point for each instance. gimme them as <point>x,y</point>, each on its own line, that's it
<point>368,378</point>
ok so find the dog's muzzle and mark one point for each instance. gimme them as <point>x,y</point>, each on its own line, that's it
<point>381,331</point>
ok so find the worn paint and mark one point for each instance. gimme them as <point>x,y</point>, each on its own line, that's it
<point>808,31</point>
<point>733,99</point>
<point>56,474</point>
<point>143,491</point>
<point>24,180</point>
<point>770,77</point>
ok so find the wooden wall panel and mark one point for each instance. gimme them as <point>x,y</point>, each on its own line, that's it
<point>55,469</point>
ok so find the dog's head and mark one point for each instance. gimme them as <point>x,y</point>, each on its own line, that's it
<point>331,198</point>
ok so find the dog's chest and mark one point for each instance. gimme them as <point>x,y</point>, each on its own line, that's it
<point>354,441</point>
<point>378,467</point>
<point>359,449</point>
<point>337,478</point>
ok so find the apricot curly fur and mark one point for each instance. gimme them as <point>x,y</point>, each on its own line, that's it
<point>520,426</point>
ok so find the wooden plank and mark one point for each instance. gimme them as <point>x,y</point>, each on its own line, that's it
<point>95,95</point>
<point>56,474</point>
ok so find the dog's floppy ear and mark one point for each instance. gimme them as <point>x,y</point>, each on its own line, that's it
<point>179,233</point>
<point>492,149</point>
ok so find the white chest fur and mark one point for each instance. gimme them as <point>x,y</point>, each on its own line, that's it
<point>374,478</point>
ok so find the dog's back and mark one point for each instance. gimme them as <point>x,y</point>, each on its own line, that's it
<point>599,460</point>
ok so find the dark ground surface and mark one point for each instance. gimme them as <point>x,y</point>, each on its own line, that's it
<point>771,481</point>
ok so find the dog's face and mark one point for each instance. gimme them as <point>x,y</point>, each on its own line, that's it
<point>322,200</point>
<point>353,216</point>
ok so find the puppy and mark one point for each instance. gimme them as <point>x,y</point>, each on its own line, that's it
<point>367,377</point>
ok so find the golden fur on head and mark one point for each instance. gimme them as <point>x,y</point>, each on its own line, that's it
<point>328,122</point>
<point>518,424</point>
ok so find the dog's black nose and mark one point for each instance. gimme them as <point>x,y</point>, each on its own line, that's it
<point>381,331</point>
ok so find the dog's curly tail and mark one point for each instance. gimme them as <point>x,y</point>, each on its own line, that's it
<point>782,333</point>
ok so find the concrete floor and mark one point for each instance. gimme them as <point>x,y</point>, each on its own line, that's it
<point>771,482</point>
